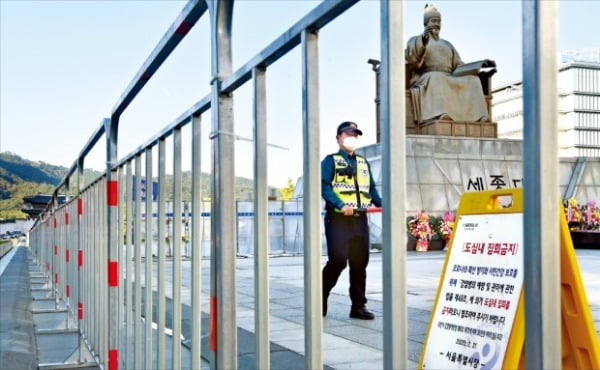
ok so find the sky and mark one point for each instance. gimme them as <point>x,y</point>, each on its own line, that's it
<point>64,65</point>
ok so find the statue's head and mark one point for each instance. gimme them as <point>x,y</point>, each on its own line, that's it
<point>431,12</point>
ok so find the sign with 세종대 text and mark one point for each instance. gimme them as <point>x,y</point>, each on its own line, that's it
<point>477,300</point>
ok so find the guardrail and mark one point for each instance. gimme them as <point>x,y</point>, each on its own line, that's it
<point>5,247</point>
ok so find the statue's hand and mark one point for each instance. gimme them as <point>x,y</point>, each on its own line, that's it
<point>426,34</point>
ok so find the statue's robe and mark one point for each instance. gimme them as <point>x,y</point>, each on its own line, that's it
<point>435,91</point>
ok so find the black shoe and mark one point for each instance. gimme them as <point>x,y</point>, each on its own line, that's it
<point>324,306</point>
<point>361,313</point>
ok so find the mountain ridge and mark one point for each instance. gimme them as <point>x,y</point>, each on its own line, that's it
<point>14,169</point>
<point>20,177</point>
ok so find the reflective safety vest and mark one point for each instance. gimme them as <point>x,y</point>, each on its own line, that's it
<point>352,185</point>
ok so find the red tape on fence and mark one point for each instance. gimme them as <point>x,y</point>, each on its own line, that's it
<point>80,311</point>
<point>113,359</point>
<point>113,273</point>
<point>80,206</point>
<point>68,291</point>
<point>79,258</point>
<point>67,255</point>
<point>112,192</point>
<point>184,28</point>
<point>212,330</point>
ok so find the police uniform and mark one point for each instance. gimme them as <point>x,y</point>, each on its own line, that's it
<point>347,180</point>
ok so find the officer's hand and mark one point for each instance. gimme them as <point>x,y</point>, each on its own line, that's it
<point>348,211</point>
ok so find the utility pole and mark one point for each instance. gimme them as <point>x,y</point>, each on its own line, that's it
<point>375,64</point>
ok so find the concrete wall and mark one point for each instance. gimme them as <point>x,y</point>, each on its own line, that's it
<point>440,169</point>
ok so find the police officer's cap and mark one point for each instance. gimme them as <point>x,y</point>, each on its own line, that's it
<point>348,126</point>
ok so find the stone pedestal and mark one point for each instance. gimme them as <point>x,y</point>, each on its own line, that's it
<point>458,128</point>
<point>448,128</point>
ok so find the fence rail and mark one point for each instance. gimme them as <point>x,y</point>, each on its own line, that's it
<point>92,248</point>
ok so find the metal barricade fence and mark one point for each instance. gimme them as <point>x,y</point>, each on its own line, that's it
<point>109,286</point>
<point>284,220</point>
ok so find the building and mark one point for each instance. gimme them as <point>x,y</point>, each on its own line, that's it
<point>578,105</point>
<point>35,204</point>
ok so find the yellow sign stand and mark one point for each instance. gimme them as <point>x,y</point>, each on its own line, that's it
<point>581,349</point>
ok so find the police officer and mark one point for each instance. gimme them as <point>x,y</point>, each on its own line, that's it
<point>347,186</point>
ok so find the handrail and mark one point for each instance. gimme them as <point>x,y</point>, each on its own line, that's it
<point>84,152</point>
<point>188,17</point>
<point>316,19</point>
<point>106,196</point>
<point>200,107</point>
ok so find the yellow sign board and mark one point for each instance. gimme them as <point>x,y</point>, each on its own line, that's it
<point>478,320</point>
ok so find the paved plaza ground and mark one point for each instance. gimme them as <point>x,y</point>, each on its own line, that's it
<point>347,343</point>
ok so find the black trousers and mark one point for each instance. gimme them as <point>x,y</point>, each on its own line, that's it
<point>347,243</point>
